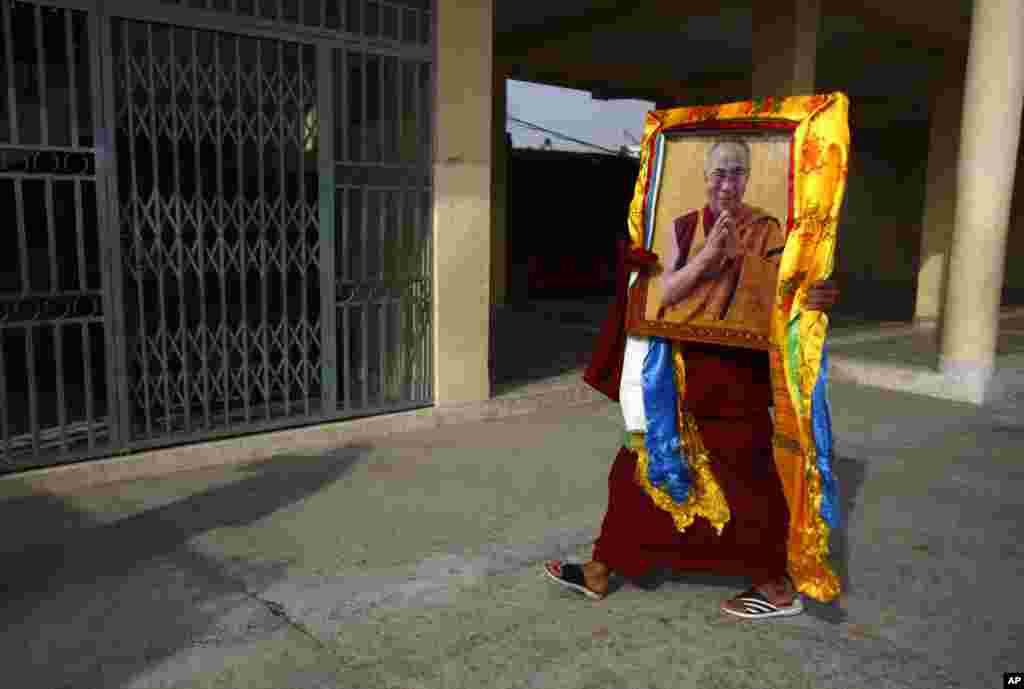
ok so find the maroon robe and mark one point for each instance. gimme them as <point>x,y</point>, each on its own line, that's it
<point>728,390</point>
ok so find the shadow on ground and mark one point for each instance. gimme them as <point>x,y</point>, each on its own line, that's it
<point>75,600</point>
<point>850,474</point>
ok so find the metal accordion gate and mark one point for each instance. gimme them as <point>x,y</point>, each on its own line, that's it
<point>220,220</point>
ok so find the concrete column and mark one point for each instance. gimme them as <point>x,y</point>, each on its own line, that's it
<point>462,199</point>
<point>947,99</point>
<point>499,191</point>
<point>993,97</point>
<point>785,46</point>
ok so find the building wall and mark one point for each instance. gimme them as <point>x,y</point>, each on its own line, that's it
<point>463,191</point>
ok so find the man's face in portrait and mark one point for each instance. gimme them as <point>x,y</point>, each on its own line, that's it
<point>725,175</point>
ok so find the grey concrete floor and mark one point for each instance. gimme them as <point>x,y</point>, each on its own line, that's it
<point>919,348</point>
<point>414,563</point>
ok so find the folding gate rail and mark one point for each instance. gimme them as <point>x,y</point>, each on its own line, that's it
<point>254,252</point>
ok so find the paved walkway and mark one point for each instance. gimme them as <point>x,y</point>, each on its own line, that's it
<point>413,562</point>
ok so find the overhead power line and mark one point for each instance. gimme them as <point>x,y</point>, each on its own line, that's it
<point>559,135</point>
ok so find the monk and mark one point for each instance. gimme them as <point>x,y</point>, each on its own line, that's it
<point>728,391</point>
<point>725,258</point>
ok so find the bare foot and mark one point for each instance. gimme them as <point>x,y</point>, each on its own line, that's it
<point>595,575</point>
<point>780,593</point>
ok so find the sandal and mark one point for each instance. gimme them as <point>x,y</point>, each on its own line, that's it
<point>569,575</point>
<point>757,606</point>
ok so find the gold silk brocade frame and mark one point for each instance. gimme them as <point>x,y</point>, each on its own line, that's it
<point>796,336</point>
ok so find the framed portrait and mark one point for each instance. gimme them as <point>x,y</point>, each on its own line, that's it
<point>728,194</point>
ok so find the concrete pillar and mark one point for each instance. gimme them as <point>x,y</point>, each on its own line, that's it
<point>462,199</point>
<point>499,191</point>
<point>785,46</point>
<point>937,223</point>
<point>993,97</point>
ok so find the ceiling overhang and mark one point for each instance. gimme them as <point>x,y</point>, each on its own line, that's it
<point>661,49</point>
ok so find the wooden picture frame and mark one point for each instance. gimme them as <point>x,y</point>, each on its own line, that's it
<point>783,209</point>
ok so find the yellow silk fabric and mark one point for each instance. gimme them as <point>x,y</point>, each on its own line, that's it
<point>706,498</point>
<point>821,154</point>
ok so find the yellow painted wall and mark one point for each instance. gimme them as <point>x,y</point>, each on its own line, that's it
<point>463,153</point>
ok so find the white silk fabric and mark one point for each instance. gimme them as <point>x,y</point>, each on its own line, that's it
<point>631,392</point>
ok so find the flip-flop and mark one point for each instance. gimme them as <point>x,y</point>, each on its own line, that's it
<point>756,606</point>
<point>569,575</point>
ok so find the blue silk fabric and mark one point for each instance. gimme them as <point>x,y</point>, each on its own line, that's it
<point>821,423</point>
<point>667,467</point>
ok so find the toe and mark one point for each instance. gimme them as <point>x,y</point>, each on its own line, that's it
<point>731,604</point>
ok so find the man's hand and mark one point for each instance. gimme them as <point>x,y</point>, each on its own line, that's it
<point>822,296</point>
<point>721,246</point>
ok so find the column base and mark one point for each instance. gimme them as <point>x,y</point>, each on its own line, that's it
<point>970,381</point>
<point>1000,391</point>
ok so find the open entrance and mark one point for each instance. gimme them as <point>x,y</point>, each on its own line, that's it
<point>572,167</point>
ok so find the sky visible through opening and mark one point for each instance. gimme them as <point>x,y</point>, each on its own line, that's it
<point>574,114</point>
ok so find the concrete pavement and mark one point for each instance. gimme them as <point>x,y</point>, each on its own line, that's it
<point>413,562</point>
